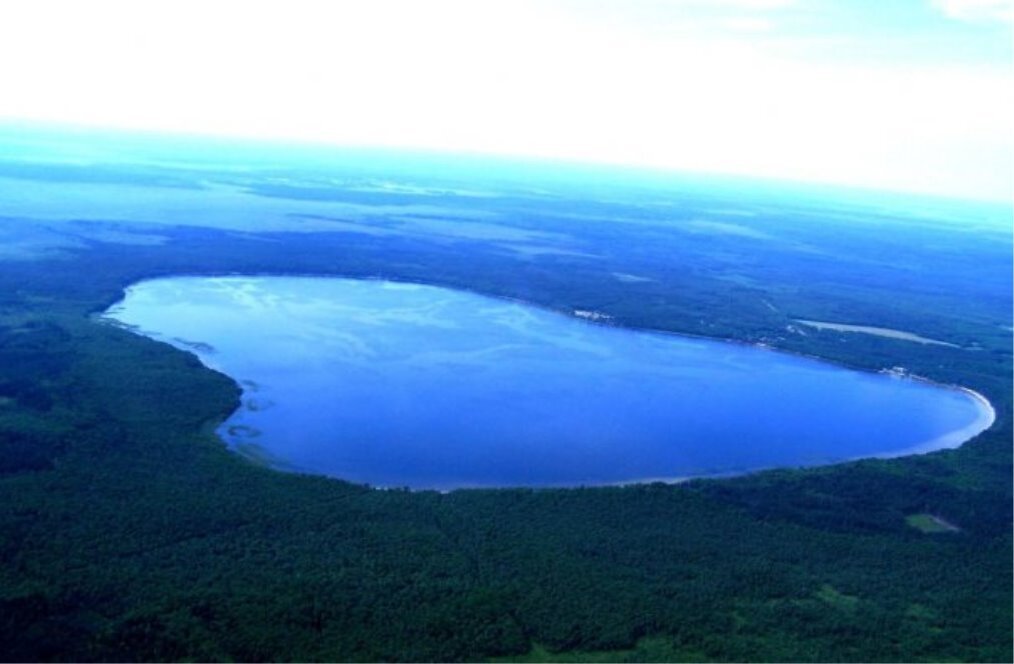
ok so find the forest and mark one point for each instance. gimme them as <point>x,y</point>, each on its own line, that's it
<point>129,532</point>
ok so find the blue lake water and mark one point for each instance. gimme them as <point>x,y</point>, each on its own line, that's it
<point>408,385</point>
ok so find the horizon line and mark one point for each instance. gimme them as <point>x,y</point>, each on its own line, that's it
<point>56,126</point>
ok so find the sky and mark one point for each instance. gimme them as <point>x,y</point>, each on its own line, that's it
<point>909,95</point>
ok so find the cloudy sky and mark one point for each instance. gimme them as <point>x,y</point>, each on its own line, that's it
<point>897,94</point>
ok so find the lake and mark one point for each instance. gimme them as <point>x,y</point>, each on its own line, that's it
<point>396,384</point>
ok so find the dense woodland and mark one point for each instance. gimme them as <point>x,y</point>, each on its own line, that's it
<point>129,532</point>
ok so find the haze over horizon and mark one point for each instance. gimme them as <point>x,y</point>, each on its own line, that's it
<point>907,96</point>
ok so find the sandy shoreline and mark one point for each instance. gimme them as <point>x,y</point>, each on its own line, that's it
<point>987,407</point>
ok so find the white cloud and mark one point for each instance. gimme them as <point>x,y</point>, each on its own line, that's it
<point>747,24</point>
<point>977,10</point>
<point>743,5</point>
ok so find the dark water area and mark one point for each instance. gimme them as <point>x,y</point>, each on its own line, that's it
<point>397,384</point>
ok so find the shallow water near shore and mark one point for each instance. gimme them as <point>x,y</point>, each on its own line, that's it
<point>397,384</point>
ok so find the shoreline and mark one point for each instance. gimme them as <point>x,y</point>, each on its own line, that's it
<point>983,401</point>
<point>952,440</point>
